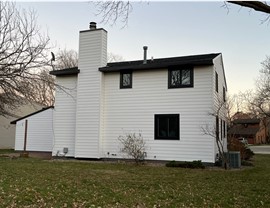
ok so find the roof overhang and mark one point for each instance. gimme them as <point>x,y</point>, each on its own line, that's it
<point>66,72</point>
<point>197,60</point>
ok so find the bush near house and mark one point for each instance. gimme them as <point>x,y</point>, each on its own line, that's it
<point>193,165</point>
<point>236,145</point>
<point>133,145</point>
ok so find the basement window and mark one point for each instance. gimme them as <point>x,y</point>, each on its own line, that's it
<point>180,78</point>
<point>125,80</point>
<point>167,126</point>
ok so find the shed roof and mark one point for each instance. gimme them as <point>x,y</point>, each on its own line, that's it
<point>194,60</point>
<point>31,114</point>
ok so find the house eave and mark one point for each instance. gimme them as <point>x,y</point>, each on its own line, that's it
<point>66,72</point>
<point>164,63</point>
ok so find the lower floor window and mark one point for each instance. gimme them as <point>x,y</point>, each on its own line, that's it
<point>167,126</point>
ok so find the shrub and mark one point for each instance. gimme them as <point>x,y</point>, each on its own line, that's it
<point>196,164</point>
<point>235,145</point>
<point>246,163</point>
<point>133,145</point>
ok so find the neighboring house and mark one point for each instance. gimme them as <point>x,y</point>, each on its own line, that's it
<point>34,132</point>
<point>253,130</point>
<point>168,100</point>
<point>241,115</point>
<point>7,130</point>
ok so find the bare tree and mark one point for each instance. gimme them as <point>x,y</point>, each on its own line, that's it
<point>232,106</point>
<point>111,57</point>
<point>256,5</point>
<point>217,131</point>
<point>66,59</point>
<point>257,101</point>
<point>23,51</point>
<point>111,11</point>
<point>43,85</point>
<point>42,88</point>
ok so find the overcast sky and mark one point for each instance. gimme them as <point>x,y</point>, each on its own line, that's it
<point>170,29</point>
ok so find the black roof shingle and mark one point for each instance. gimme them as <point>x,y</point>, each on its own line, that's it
<point>194,60</point>
<point>65,72</point>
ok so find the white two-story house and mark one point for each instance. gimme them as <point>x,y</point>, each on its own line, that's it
<point>168,100</point>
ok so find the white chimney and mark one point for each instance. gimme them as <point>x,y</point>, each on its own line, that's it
<point>92,55</point>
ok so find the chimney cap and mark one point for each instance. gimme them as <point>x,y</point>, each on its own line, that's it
<point>145,47</point>
<point>93,25</point>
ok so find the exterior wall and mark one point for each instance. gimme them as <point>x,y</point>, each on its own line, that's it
<point>65,116</point>
<point>92,55</point>
<point>133,110</point>
<point>39,132</point>
<point>218,97</point>
<point>7,130</point>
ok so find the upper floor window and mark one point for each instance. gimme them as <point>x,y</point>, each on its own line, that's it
<point>179,78</point>
<point>125,80</point>
<point>216,82</point>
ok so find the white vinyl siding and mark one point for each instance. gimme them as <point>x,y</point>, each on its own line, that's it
<point>133,110</point>
<point>39,132</point>
<point>65,116</point>
<point>218,96</point>
<point>92,55</point>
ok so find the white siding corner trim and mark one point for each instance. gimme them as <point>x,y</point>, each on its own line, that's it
<point>92,55</point>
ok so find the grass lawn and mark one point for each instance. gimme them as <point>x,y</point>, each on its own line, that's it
<point>6,151</point>
<point>37,183</point>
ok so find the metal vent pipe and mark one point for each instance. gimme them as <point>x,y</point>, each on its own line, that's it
<point>92,26</point>
<point>145,55</point>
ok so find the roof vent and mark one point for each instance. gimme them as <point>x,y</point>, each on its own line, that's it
<point>145,55</point>
<point>92,26</point>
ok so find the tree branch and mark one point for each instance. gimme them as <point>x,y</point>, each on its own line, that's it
<point>256,5</point>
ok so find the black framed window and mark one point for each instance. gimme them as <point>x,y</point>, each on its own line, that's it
<point>125,80</point>
<point>221,128</point>
<point>216,82</point>
<point>217,127</point>
<point>179,78</point>
<point>167,126</point>
<point>224,128</point>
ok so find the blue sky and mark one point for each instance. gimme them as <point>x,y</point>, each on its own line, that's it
<point>170,29</point>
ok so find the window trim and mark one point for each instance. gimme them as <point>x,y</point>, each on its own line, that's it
<point>180,68</point>
<point>121,79</point>
<point>156,116</point>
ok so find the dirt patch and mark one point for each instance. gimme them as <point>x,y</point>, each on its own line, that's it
<point>41,155</point>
